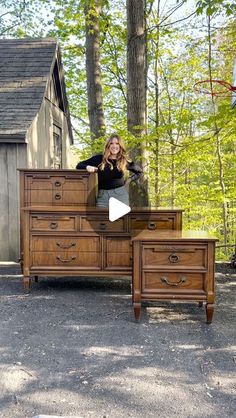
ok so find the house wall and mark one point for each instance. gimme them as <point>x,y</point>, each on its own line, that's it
<point>40,148</point>
<point>12,156</point>
<point>38,152</point>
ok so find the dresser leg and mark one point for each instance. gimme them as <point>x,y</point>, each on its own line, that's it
<point>200,304</point>
<point>137,311</point>
<point>27,283</point>
<point>209,312</point>
<point>36,279</point>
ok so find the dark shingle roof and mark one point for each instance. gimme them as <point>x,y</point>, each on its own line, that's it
<point>25,67</point>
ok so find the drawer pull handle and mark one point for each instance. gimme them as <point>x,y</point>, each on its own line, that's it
<point>66,246</point>
<point>103,225</point>
<point>53,225</point>
<point>181,280</point>
<point>57,196</point>
<point>173,258</point>
<point>63,260</point>
<point>57,183</point>
<point>152,225</point>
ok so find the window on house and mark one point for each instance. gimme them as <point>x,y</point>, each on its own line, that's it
<point>57,145</point>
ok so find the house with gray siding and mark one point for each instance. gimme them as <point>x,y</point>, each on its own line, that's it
<point>35,126</point>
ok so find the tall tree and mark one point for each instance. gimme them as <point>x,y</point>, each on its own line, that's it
<point>136,88</point>
<point>93,69</point>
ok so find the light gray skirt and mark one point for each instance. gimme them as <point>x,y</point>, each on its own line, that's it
<point>120,193</point>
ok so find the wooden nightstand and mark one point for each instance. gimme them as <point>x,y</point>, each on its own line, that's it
<point>174,265</point>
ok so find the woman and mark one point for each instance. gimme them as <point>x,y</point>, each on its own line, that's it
<point>110,167</point>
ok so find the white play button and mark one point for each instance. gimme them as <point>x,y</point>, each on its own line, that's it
<point>117,209</point>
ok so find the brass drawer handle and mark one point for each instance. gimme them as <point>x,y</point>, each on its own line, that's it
<point>57,196</point>
<point>103,225</point>
<point>152,225</point>
<point>57,183</point>
<point>181,280</point>
<point>66,246</point>
<point>63,260</point>
<point>173,258</point>
<point>53,225</point>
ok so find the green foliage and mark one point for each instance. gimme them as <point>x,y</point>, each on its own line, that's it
<point>215,7</point>
<point>190,138</point>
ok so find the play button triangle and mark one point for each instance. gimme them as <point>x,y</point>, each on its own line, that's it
<point>117,209</point>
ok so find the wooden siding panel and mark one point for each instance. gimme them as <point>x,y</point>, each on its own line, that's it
<point>12,156</point>
<point>38,136</point>
<point>4,202</point>
<point>13,232</point>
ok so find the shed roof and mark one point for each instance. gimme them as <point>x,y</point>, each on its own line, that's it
<point>26,65</point>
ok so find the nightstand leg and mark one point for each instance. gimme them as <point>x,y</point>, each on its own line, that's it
<point>27,283</point>
<point>137,311</point>
<point>209,312</point>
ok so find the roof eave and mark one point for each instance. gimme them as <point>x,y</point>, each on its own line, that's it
<point>57,58</point>
<point>13,138</point>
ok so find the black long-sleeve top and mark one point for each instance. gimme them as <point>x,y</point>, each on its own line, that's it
<point>107,178</point>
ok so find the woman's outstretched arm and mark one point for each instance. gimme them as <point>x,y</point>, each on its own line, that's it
<point>92,161</point>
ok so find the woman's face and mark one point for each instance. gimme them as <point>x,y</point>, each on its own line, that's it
<point>114,146</point>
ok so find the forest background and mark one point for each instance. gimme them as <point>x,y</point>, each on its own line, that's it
<point>130,67</point>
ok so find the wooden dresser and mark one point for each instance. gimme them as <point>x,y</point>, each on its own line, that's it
<point>43,187</point>
<point>61,234</point>
<point>173,265</point>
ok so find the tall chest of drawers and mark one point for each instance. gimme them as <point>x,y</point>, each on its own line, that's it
<point>63,233</point>
<point>56,188</point>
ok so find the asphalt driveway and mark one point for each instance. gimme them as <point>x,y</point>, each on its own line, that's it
<point>71,347</point>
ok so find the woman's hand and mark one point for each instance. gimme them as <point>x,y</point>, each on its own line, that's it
<point>91,169</point>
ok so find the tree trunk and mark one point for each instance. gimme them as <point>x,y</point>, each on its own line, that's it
<point>93,70</point>
<point>157,109</point>
<point>218,143</point>
<point>136,90</point>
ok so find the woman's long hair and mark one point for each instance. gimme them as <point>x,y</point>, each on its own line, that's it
<point>121,159</point>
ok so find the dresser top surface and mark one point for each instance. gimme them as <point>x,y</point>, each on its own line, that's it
<point>98,210</point>
<point>172,235</point>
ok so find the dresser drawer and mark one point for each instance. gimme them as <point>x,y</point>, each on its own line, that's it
<point>70,182</point>
<point>175,257</point>
<point>51,181</point>
<point>152,222</point>
<point>64,259</point>
<point>173,282</point>
<point>101,224</point>
<point>52,223</point>
<point>69,197</point>
<point>50,189</point>
<point>72,244</point>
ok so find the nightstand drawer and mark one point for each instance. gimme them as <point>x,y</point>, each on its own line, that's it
<point>52,223</point>
<point>100,224</point>
<point>72,244</point>
<point>176,282</point>
<point>175,256</point>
